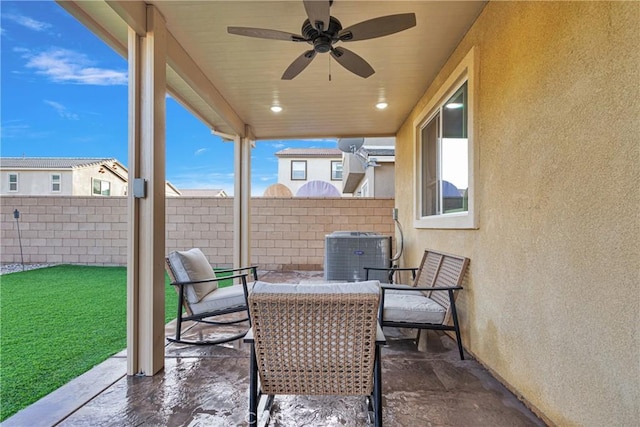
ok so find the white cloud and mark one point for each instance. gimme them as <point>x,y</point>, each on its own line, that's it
<point>29,23</point>
<point>67,66</point>
<point>201,151</point>
<point>61,110</point>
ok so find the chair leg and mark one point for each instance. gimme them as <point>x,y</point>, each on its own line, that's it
<point>253,388</point>
<point>456,325</point>
<point>459,344</point>
<point>377,389</point>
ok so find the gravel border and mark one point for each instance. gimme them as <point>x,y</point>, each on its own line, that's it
<point>17,268</point>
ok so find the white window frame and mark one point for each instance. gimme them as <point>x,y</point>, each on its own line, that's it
<point>304,162</point>
<point>364,189</point>
<point>9,182</point>
<point>54,182</point>
<point>93,180</point>
<point>337,163</point>
<point>465,71</point>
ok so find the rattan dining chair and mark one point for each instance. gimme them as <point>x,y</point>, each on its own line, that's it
<point>315,339</point>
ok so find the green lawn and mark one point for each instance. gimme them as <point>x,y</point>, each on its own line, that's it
<point>57,323</point>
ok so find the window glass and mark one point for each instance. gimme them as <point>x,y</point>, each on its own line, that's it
<point>298,170</point>
<point>13,182</point>
<point>55,183</point>
<point>336,170</point>
<point>101,188</point>
<point>445,174</point>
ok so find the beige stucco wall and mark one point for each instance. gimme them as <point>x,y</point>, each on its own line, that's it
<point>36,182</point>
<point>83,181</point>
<point>551,304</point>
<point>287,234</point>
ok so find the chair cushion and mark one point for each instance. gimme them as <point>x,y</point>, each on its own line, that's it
<point>411,307</point>
<point>222,299</point>
<point>192,266</point>
<point>370,286</point>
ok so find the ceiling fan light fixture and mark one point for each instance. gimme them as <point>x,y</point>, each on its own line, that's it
<point>381,105</point>
<point>276,108</point>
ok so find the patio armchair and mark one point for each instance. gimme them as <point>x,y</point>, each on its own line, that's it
<point>200,299</point>
<point>315,339</point>
<point>429,302</point>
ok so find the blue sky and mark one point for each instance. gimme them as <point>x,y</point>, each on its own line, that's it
<point>64,94</point>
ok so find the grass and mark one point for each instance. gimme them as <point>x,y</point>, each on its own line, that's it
<point>57,323</point>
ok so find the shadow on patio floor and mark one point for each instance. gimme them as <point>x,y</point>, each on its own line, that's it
<point>208,386</point>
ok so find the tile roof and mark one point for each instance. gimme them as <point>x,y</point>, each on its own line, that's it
<point>50,162</point>
<point>309,152</point>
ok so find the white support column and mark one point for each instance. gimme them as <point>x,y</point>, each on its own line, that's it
<point>146,213</point>
<point>242,202</point>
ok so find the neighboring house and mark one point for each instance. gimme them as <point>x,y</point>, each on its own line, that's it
<point>311,171</point>
<point>370,172</point>
<point>64,176</point>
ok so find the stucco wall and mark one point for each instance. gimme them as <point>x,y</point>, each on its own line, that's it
<point>36,182</point>
<point>287,234</point>
<point>318,169</point>
<point>551,303</point>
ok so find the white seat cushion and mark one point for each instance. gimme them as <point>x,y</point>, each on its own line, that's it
<point>222,299</point>
<point>411,307</point>
<point>192,266</point>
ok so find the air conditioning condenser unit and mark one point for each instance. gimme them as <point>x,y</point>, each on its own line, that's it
<point>346,254</point>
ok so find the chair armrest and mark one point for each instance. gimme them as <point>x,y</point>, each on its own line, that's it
<point>391,271</point>
<point>253,268</point>
<point>392,268</point>
<point>215,279</point>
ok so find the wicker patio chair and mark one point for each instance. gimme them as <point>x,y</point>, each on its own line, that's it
<point>320,339</point>
<point>430,301</point>
<point>199,297</point>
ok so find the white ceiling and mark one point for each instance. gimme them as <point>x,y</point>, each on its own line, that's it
<point>244,73</point>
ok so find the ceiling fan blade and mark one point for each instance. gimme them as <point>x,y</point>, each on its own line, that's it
<point>378,27</point>
<point>299,64</point>
<point>352,62</point>
<point>318,13</point>
<point>263,33</point>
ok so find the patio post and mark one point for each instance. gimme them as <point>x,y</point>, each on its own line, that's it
<point>242,200</point>
<point>146,199</point>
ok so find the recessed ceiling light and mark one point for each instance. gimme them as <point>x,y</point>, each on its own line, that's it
<point>276,108</point>
<point>381,105</point>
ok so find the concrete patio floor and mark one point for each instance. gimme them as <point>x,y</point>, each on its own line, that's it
<point>208,386</point>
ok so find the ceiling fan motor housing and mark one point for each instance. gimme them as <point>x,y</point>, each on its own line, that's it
<point>322,41</point>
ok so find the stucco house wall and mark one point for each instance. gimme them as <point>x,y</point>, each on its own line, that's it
<point>37,182</point>
<point>552,299</point>
<point>318,169</point>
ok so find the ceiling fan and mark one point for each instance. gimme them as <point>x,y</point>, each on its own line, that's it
<point>322,31</point>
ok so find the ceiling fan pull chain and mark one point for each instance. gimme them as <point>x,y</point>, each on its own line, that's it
<point>329,68</point>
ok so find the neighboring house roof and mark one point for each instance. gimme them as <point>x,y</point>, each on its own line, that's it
<point>309,152</point>
<point>52,162</point>
<point>198,192</point>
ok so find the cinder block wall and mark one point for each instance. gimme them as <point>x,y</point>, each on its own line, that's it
<point>287,234</point>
